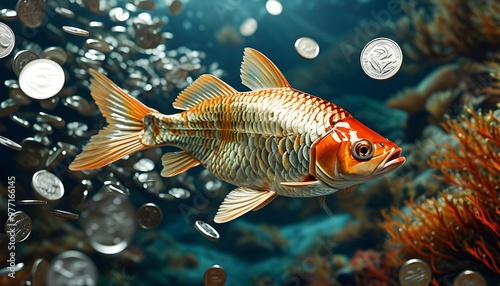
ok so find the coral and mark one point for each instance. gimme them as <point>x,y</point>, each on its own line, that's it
<point>444,30</point>
<point>460,227</point>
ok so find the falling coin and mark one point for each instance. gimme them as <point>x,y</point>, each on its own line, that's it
<point>47,185</point>
<point>8,270</point>
<point>307,48</point>
<point>7,40</point>
<point>415,272</point>
<point>19,226</point>
<point>21,59</point>
<point>30,202</point>
<point>41,79</point>
<point>9,143</point>
<point>381,58</point>
<point>214,276</point>
<point>72,268</point>
<point>148,216</point>
<point>64,214</point>
<point>31,12</point>
<point>469,278</point>
<point>75,31</point>
<point>207,230</point>
<point>39,272</point>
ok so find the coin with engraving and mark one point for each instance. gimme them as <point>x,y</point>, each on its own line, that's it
<point>9,143</point>
<point>7,270</point>
<point>108,222</point>
<point>75,31</point>
<point>307,48</point>
<point>72,268</point>
<point>415,272</point>
<point>381,58</point>
<point>31,12</point>
<point>469,278</point>
<point>39,272</point>
<point>148,216</point>
<point>63,214</point>
<point>41,79</point>
<point>207,230</point>
<point>18,226</point>
<point>47,185</point>
<point>215,276</point>
<point>30,202</point>
<point>21,59</point>
<point>7,40</point>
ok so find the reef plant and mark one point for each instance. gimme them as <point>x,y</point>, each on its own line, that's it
<point>460,227</point>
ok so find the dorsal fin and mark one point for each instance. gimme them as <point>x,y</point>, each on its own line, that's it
<point>258,72</point>
<point>205,87</point>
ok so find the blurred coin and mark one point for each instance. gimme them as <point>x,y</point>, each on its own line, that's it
<point>108,222</point>
<point>415,272</point>
<point>469,278</point>
<point>53,120</point>
<point>145,4</point>
<point>115,188</point>
<point>57,54</point>
<point>71,149</point>
<point>18,225</point>
<point>41,79</point>
<point>8,107</point>
<point>248,27</point>
<point>214,276</point>
<point>175,7</point>
<point>119,14</point>
<point>144,165</point>
<point>31,12</point>
<point>9,143</point>
<point>79,194</point>
<point>30,202</point>
<point>8,270</point>
<point>39,272</point>
<point>64,214</point>
<point>98,45</point>
<point>7,40</point>
<point>8,15</point>
<point>76,31</point>
<point>148,37</point>
<point>55,157</point>
<point>43,127</point>
<point>72,268</point>
<point>21,59</point>
<point>148,216</point>
<point>207,230</point>
<point>66,13</point>
<point>381,58</point>
<point>49,103</point>
<point>307,48</point>
<point>80,104</point>
<point>94,5</point>
<point>47,185</point>
<point>179,193</point>
<point>77,129</point>
<point>19,96</point>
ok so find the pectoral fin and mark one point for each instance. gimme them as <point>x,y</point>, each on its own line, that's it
<point>240,201</point>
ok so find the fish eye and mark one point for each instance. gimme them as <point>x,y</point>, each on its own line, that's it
<point>362,149</point>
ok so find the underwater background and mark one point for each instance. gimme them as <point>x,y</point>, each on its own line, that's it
<point>442,108</point>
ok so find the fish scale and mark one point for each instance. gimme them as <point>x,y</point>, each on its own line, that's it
<point>250,117</point>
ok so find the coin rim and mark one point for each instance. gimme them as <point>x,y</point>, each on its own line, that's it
<point>201,230</point>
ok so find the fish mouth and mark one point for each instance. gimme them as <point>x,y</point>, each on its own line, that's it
<point>391,162</point>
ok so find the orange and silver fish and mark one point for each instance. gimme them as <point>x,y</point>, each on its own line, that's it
<point>272,140</point>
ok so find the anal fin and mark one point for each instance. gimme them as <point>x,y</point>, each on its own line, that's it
<point>177,162</point>
<point>240,201</point>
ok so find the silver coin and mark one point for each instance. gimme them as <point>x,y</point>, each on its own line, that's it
<point>55,157</point>
<point>307,48</point>
<point>31,12</point>
<point>8,15</point>
<point>21,59</point>
<point>18,226</point>
<point>39,272</point>
<point>415,272</point>
<point>30,202</point>
<point>53,120</point>
<point>469,278</point>
<point>72,268</point>
<point>65,12</point>
<point>8,270</point>
<point>381,58</point>
<point>64,214</point>
<point>148,216</point>
<point>9,143</point>
<point>179,193</point>
<point>248,27</point>
<point>76,31</point>
<point>214,276</point>
<point>98,45</point>
<point>108,223</point>
<point>47,185</point>
<point>41,79</point>
<point>57,54</point>
<point>7,40</point>
<point>144,165</point>
<point>207,230</point>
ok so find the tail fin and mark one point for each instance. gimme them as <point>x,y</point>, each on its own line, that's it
<point>122,136</point>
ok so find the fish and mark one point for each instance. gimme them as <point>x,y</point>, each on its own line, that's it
<point>269,141</point>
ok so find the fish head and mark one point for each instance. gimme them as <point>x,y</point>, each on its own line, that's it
<point>351,153</point>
